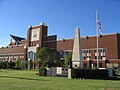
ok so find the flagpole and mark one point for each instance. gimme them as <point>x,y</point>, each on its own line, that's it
<point>97,37</point>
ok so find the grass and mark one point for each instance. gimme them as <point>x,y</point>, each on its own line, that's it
<point>27,80</point>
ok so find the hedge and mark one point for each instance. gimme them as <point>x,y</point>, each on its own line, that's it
<point>90,73</point>
<point>3,65</point>
<point>11,65</point>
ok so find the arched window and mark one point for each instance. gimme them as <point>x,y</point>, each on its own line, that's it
<point>31,55</point>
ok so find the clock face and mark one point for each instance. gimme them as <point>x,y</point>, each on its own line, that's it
<point>35,34</point>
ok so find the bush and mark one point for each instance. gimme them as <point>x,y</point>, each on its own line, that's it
<point>42,71</point>
<point>3,65</point>
<point>0,65</point>
<point>11,65</point>
<point>19,64</point>
<point>30,64</point>
<point>90,73</point>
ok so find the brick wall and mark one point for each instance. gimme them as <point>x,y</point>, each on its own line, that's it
<point>109,42</point>
<point>65,44</point>
<point>5,50</point>
<point>50,41</point>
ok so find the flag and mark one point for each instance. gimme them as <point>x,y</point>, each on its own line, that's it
<point>99,25</point>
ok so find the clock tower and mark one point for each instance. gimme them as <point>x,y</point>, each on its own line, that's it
<point>36,34</point>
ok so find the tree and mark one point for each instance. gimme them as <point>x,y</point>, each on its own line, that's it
<point>68,58</point>
<point>48,57</point>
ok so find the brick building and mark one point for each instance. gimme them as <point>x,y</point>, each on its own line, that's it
<point>109,50</point>
<point>26,48</point>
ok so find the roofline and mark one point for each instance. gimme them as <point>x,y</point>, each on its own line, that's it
<point>17,36</point>
<point>89,36</point>
<point>35,26</point>
<point>102,35</point>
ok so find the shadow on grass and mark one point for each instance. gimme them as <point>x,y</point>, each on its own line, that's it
<point>114,79</point>
<point>23,78</point>
<point>111,79</point>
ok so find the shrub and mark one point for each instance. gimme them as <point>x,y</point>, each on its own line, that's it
<point>11,65</point>
<point>0,65</point>
<point>42,71</point>
<point>19,64</point>
<point>3,65</point>
<point>90,73</point>
<point>30,64</point>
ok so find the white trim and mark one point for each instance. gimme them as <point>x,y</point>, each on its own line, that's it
<point>12,54</point>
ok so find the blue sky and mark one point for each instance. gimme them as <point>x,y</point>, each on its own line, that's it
<point>61,17</point>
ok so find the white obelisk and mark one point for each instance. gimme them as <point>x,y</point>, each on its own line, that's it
<point>77,51</point>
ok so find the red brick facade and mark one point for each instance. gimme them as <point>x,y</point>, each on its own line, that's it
<point>110,43</point>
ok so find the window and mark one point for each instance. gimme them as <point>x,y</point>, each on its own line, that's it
<point>83,54</point>
<point>95,57</point>
<point>61,53</point>
<point>88,54</point>
<point>103,54</point>
<point>65,54</point>
<point>31,55</point>
<point>96,54</point>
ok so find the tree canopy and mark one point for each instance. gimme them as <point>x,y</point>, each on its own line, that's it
<point>49,57</point>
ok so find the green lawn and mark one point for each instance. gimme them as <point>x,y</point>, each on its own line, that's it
<point>27,80</point>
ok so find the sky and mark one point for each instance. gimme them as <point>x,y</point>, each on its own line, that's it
<point>61,17</point>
